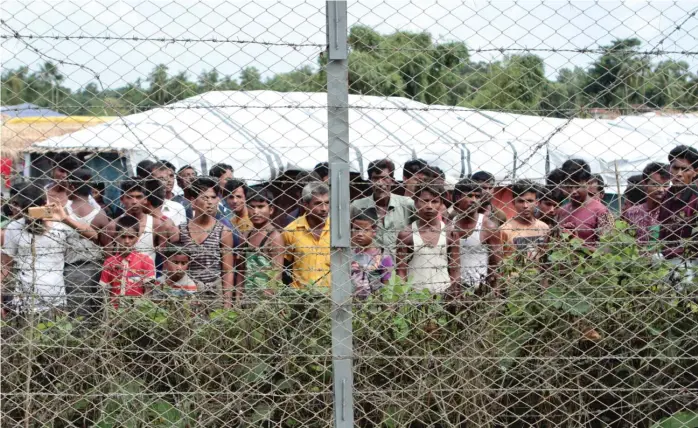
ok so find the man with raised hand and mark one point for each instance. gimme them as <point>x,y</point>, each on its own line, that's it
<point>35,246</point>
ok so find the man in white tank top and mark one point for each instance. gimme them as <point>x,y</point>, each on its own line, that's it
<point>423,247</point>
<point>83,259</point>
<point>477,244</point>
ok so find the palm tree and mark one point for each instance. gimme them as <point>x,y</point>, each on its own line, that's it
<point>50,74</point>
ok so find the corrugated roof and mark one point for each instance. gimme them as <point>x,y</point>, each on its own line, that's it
<point>28,110</point>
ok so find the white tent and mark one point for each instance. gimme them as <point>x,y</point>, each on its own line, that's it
<point>261,133</point>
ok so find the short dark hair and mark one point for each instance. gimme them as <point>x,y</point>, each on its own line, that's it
<point>80,181</point>
<point>552,193</point>
<point>577,173</point>
<point>67,162</point>
<point>686,153</point>
<point>125,222</point>
<point>155,192</point>
<point>260,194</point>
<point>433,172</point>
<point>434,189</point>
<point>233,184</point>
<point>161,165</point>
<point>634,179</point>
<point>574,165</point>
<point>412,167</point>
<point>655,168</point>
<point>175,249</point>
<point>199,186</point>
<point>523,187</point>
<point>322,169</point>
<point>184,168</point>
<point>463,187</point>
<point>132,185</point>
<point>144,168</point>
<point>601,184</point>
<point>364,214</point>
<point>29,195</point>
<point>555,177</point>
<point>483,177</point>
<point>219,169</point>
<point>379,165</point>
<point>164,164</point>
<point>635,193</point>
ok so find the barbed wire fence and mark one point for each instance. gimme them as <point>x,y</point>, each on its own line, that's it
<point>556,289</point>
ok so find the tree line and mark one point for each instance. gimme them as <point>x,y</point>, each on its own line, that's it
<point>622,78</point>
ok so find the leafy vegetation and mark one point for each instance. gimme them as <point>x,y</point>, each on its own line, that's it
<point>402,64</point>
<point>608,342</point>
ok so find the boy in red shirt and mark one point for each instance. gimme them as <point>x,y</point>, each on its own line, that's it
<point>127,273</point>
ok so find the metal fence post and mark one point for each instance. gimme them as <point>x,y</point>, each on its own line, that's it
<point>338,146</point>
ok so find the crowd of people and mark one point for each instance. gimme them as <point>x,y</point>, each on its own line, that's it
<point>223,242</point>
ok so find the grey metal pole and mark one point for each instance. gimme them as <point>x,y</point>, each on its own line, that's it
<point>338,148</point>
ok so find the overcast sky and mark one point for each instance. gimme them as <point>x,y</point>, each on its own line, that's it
<point>484,25</point>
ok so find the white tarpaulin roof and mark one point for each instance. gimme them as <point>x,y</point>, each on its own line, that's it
<point>261,133</point>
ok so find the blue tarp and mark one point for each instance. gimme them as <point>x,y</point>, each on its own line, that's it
<point>28,110</point>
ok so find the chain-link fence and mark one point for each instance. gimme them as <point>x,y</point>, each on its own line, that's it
<point>375,214</point>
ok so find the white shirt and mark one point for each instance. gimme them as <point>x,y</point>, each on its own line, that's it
<point>473,258</point>
<point>174,211</point>
<point>428,267</point>
<point>84,249</point>
<point>40,272</point>
<point>146,242</point>
<point>90,199</point>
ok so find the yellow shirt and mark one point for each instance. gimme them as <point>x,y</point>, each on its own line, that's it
<point>243,224</point>
<point>310,257</point>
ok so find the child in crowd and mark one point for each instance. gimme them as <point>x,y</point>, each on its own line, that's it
<point>127,272</point>
<point>175,280</point>
<point>370,267</point>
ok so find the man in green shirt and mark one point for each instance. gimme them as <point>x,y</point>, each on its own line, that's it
<point>394,211</point>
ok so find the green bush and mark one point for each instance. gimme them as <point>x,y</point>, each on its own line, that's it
<point>599,339</point>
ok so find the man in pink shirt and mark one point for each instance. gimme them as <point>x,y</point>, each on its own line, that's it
<point>583,216</point>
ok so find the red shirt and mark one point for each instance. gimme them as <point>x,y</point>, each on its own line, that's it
<point>587,222</point>
<point>125,275</point>
<point>644,221</point>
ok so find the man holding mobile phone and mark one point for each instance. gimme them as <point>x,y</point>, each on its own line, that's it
<point>34,248</point>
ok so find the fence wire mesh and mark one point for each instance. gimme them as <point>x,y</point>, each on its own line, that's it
<point>519,249</point>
